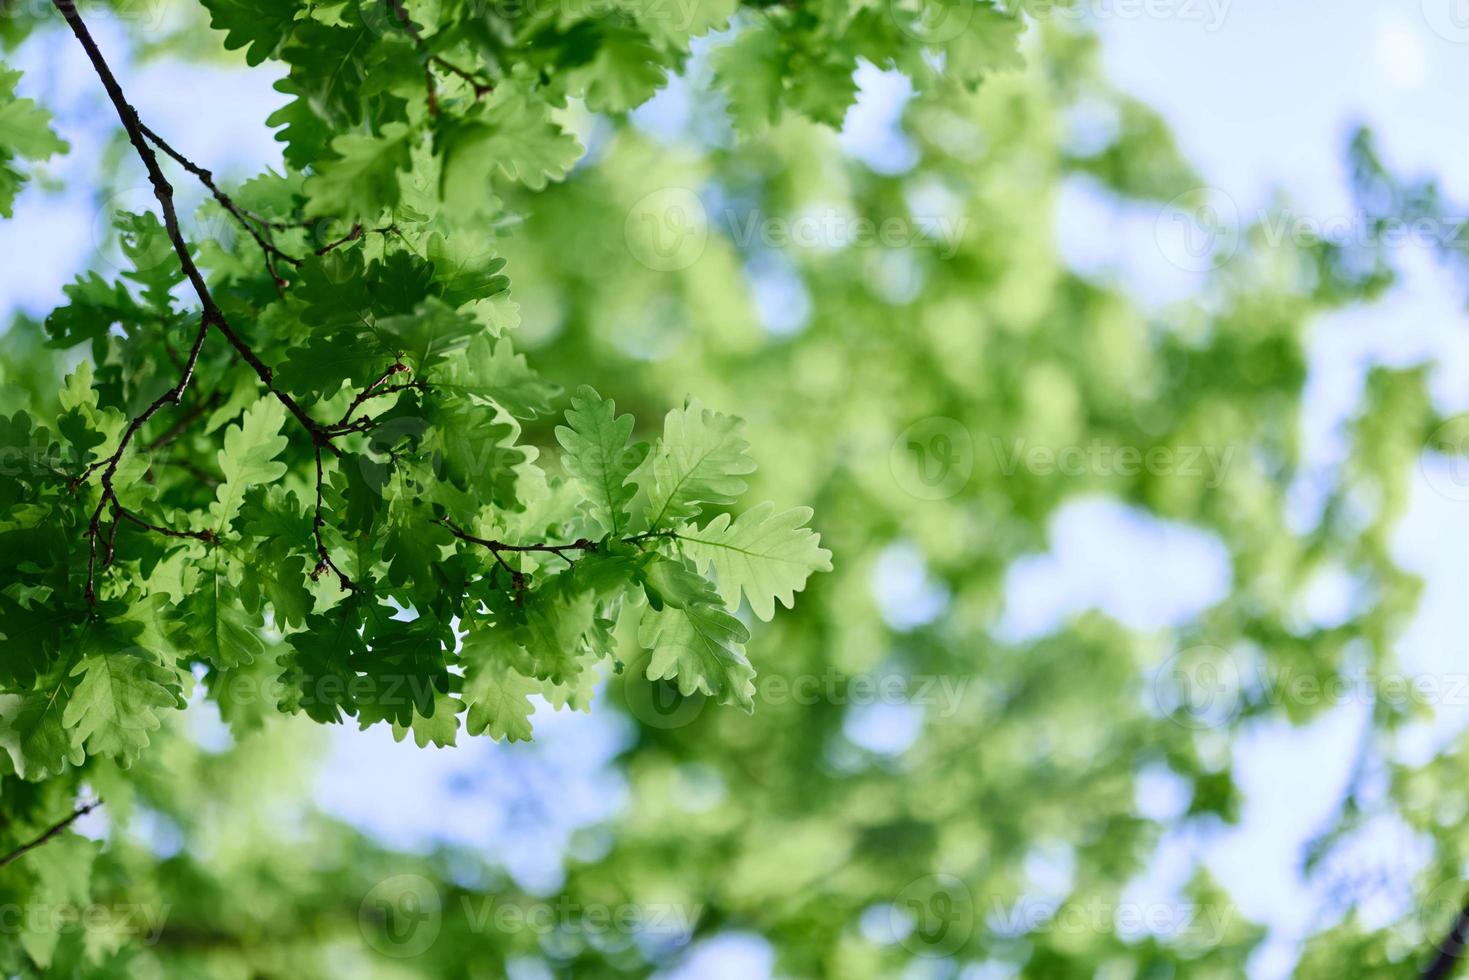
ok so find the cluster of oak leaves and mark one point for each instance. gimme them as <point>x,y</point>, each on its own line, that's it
<point>412,561</point>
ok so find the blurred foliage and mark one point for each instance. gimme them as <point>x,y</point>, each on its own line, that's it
<point>888,333</point>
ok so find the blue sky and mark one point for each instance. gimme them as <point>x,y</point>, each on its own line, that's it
<point>1261,95</point>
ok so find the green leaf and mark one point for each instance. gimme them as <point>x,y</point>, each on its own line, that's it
<point>25,132</point>
<point>765,555</point>
<point>316,664</point>
<point>625,73</point>
<point>361,181</point>
<point>696,641</point>
<point>751,71</point>
<point>699,460</point>
<point>63,873</point>
<point>112,707</point>
<point>95,306</point>
<point>599,456</point>
<point>429,334</point>
<point>33,732</point>
<point>989,42</point>
<point>492,372</point>
<point>259,26</point>
<point>514,135</point>
<point>551,634</point>
<point>153,263</point>
<point>221,630</point>
<point>439,727</point>
<point>249,458</point>
<point>498,696</point>
<point>473,451</point>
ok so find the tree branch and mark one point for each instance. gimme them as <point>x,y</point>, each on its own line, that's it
<point>324,561</point>
<point>163,191</point>
<point>321,435</point>
<point>480,86</point>
<point>206,178</point>
<point>49,832</point>
<point>581,544</point>
<point>207,536</point>
<point>517,578</point>
<point>110,463</point>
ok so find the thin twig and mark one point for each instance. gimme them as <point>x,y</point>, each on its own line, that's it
<point>517,578</point>
<point>480,86</point>
<point>267,247</point>
<point>323,556</point>
<point>372,391</point>
<point>109,464</point>
<point>321,435</point>
<point>184,421</point>
<point>50,832</point>
<point>581,544</point>
<point>207,536</point>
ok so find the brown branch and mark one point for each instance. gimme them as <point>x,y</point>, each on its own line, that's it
<point>357,232</point>
<point>185,420</point>
<point>350,236</point>
<point>372,391</point>
<point>163,191</point>
<point>324,561</point>
<point>480,86</point>
<point>212,316</point>
<point>206,535</point>
<point>109,464</point>
<point>206,178</point>
<point>581,544</point>
<point>517,578</point>
<point>49,832</point>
